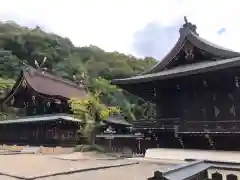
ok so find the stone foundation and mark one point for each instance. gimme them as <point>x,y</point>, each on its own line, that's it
<point>182,154</point>
<point>43,150</point>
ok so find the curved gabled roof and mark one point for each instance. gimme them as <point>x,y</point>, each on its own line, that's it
<point>117,119</point>
<point>41,118</point>
<point>181,71</point>
<point>188,34</point>
<point>47,84</point>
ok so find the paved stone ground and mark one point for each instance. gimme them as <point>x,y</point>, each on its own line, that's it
<point>6,178</point>
<point>140,171</point>
<point>181,154</point>
<point>32,165</point>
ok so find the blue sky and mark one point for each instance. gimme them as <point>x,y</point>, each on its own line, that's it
<point>138,27</point>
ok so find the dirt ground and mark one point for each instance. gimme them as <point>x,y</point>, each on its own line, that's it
<point>34,166</point>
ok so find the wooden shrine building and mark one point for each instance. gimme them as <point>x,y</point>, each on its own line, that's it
<point>39,92</point>
<point>116,134</point>
<point>56,130</point>
<point>48,121</point>
<point>41,130</point>
<point>196,91</point>
<point>44,99</point>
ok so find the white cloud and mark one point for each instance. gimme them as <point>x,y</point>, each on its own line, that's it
<point>111,24</point>
<point>210,16</point>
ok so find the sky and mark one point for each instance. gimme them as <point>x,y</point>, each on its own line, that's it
<point>138,27</point>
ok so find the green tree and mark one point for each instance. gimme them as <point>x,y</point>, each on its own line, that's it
<point>5,84</point>
<point>91,112</point>
<point>70,67</point>
<point>5,87</point>
<point>9,64</point>
<point>22,44</point>
<point>113,96</point>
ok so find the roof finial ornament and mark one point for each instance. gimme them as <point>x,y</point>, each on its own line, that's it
<point>188,26</point>
<point>40,66</point>
<point>185,19</point>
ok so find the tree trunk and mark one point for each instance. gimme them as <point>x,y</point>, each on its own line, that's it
<point>93,136</point>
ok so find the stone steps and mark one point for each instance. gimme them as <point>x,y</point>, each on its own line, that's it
<point>31,150</point>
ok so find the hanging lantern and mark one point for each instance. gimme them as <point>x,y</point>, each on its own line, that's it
<point>178,87</point>
<point>237,81</point>
<point>48,103</point>
<point>205,83</point>
<point>33,99</point>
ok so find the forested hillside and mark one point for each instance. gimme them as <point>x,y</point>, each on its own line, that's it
<point>20,45</point>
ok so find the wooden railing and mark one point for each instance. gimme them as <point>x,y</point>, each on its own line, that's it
<point>210,126</point>
<point>226,126</point>
<point>167,123</point>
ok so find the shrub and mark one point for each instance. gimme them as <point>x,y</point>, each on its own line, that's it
<point>78,148</point>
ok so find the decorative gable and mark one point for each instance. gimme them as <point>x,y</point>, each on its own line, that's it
<point>190,54</point>
<point>191,48</point>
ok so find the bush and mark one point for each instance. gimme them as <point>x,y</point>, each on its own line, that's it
<point>78,148</point>
<point>88,148</point>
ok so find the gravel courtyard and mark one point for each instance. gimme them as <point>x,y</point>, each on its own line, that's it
<point>48,167</point>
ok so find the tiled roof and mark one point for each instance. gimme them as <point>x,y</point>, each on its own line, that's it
<point>41,118</point>
<point>186,70</point>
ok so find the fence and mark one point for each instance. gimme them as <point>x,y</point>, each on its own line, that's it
<point>121,143</point>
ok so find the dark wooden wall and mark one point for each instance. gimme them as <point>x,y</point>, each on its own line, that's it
<point>210,97</point>
<point>62,133</point>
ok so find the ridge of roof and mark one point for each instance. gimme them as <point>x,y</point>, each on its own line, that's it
<point>51,76</point>
<point>49,84</point>
<point>188,33</point>
<point>212,44</point>
<point>221,51</point>
<point>41,118</point>
<point>117,119</point>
